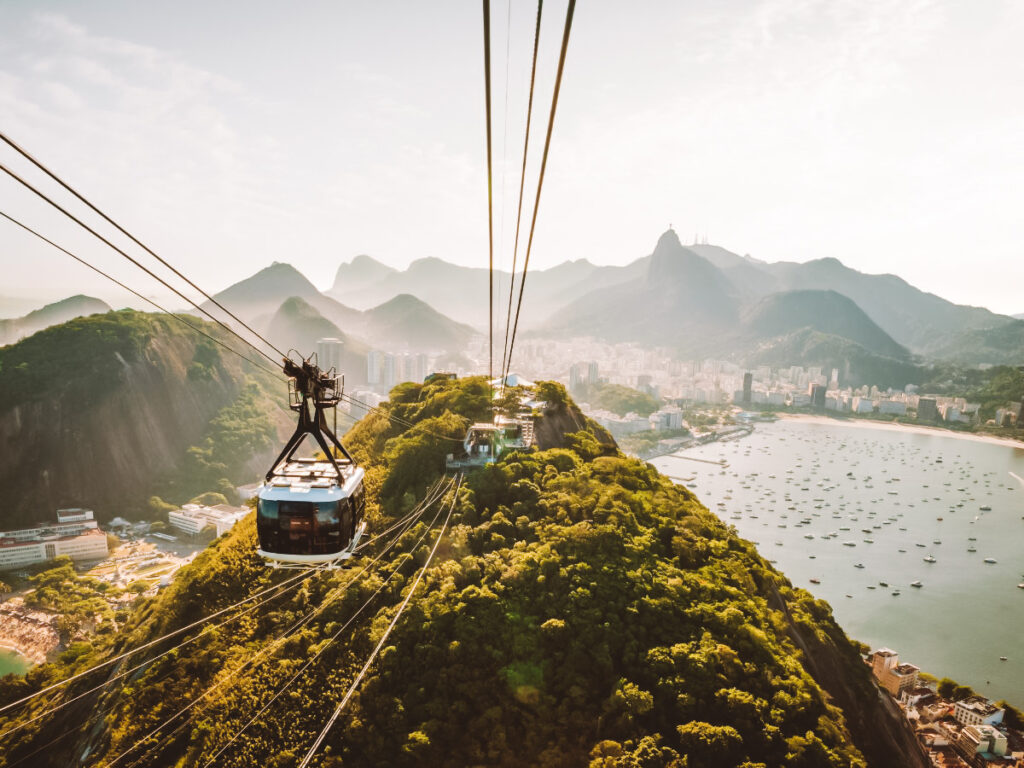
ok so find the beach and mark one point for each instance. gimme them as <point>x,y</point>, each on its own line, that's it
<point>30,633</point>
<point>918,429</point>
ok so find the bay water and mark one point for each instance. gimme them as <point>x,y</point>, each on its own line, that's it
<point>863,509</point>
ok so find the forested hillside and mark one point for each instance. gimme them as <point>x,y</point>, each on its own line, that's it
<point>582,609</point>
<point>101,411</point>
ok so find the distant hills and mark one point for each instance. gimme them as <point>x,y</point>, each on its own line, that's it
<point>281,303</point>
<point>51,314</point>
<point>462,292</point>
<point>406,320</point>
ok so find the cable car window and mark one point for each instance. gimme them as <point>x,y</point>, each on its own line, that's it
<point>267,510</point>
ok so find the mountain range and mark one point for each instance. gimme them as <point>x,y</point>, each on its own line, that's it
<point>698,300</point>
<point>703,298</point>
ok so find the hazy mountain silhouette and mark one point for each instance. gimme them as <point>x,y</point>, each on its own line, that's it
<point>920,321</point>
<point>298,325</point>
<point>406,320</point>
<point>682,299</point>
<point>826,312</point>
<point>361,272</point>
<point>256,298</point>
<point>461,292</point>
<point>52,314</point>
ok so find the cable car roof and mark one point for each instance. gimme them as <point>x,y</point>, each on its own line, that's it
<point>315,480</point>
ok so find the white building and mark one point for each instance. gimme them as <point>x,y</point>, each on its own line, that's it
<point>75,535</point>
<point>195,518</point>
<point>981,739</point>
<point>977,710</point>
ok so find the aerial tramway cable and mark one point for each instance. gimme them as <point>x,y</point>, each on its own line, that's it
<point>380,644</point>
<point>433,494</point>
<point>317,655</point>
<point>522,181</point>
<point>490,196</point>
<point>134,261</point>
<point>280,640</point>
<point>114,280</point>
<point>199,622</point>
<point>24,153</point>
<point>540,179</point>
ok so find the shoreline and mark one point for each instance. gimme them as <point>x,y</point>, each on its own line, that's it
<point>919,429</point>
<point>7,645</point>
<point>29,633</point>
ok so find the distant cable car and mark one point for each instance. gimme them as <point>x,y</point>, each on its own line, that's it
<point>310,511</point>
<point>485,442</point>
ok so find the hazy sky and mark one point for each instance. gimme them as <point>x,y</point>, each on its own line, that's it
<point>886,133</point>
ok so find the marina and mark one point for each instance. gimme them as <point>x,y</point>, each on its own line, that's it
<point>958,503</point>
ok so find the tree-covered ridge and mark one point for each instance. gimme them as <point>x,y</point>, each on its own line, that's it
<point>582,609</point>
<point>81,350</point>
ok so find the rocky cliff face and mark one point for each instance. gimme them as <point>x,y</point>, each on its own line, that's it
<point>102,433</point>
<point>879,729</point>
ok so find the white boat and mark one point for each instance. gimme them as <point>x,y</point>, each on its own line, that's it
<point>990,560</point>
<point>929,559</point>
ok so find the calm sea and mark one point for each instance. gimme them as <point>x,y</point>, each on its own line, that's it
<point>11,662</point>
<point>819,499</point>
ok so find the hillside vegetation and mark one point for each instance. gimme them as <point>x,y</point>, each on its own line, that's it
<point>99,411</point>
<point>582,610</point>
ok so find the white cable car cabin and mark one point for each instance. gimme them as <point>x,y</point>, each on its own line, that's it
<point>310,511</point>
<point>305,516</point>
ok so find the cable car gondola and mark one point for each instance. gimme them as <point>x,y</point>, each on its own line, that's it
<point>310,511</point>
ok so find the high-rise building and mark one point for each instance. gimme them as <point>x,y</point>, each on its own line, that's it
<point>592,372</point>
<point>328,354</point>
<point>927,410</point>
<point>574,377</point>
<point>374,362</point>
<point>387,371</point>
<point>817,393</point>
<point>748,383</point>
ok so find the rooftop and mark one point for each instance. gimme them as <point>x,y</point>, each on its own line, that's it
<point>311,473</point>
<point>7,543</point>
<point>979,705</point>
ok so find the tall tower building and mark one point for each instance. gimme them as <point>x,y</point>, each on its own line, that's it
<point>328,354</point>
<point>374,362</point>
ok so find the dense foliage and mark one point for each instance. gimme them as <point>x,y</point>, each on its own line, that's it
<point>76,598</point>
<point>991,388</point>
<point>37,367</point>
<point>583,609</point>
